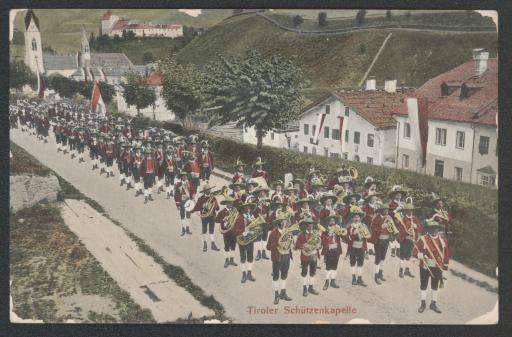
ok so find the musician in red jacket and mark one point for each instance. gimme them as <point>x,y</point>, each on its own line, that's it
<point>228,236</point>
<point>280,262</point>
<point>239,176</point>
<point>328,201</point>
<point>183,191</point>
<point>371,201</point>
<point>396,205</point>
<point>410,229</point>
<point>159,173</point>
<point>148,171</point>
<point>135,165</point>
<point>305,209</point>
<point>331,250</point>
<point>207,206</point>
<point>307,261</point>
<point>193,170</point>
<point>169,167</point>
<point>356,245</point>
<point>124,165</point>
<point>245,217</point>
<point>440,214</point>
<point>110,150</point>
<point>380,239</point>
<point>206,161</point>
<point>431,250</point>
<point>259,172</point>
<point>262,209</point>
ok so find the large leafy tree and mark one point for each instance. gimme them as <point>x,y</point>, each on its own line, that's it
<point>257,91</point>
<point>136,92</point>
<point>19,75</point>
<point>183,89</point>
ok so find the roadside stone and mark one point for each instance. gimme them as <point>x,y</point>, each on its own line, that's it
<point>29,190</point>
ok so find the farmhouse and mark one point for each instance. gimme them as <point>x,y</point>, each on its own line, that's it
<point>112,25</point>
<point>448,127</point>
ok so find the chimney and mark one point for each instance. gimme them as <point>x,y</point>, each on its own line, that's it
<point>370,84</point>
<point>390,86</point>
<point>480,56</point>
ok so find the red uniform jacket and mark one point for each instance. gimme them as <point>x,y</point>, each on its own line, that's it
<point>206,160</point>
<point>272,244</point>
<point>181,189</point>
<point>299,216</point>
<point>201,202</point>
<point>179,154</point>
<point>263,174</point>
<point>238,177</point>
<point>159,158</point>
<point>220,218</point>
<point>352,236</point>
<point>324,213</point>
<point>148,166</point>
<point>408,223</point>
<point>192,167</point>
<point>137,161</point>
<point>432,248</point>
<point>262,210</point>
<point>376,228</point>
<point>327,240</point>
<point>299,244</point>
<point>240,224</point>
<point>169,165</point>
<point>445,222</point>
<point>369,214</point>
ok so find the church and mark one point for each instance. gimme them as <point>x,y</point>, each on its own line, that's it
<point>82,66</point>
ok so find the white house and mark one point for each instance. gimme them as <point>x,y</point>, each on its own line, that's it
<point>448,127</point>
<point>112,25</point>
<point>286,138</point>
<point>354,124</point>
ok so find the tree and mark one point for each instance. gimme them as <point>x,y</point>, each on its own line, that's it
<point>183,89</point>
<point>360,17</point>
<point>322,19</point>
<point>20,74</point>
<point>388,14</point>
<point>297,20</point>
<point>260,92</point>
<point>136,92</point>
<point>148,57</point>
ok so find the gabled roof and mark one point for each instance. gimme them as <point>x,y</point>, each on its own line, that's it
<point>155,78</point>
<point>478,106</point>
<point>110,60</point>
<point>486,170</point>
<point>59,62</point>
<point>31,16</point>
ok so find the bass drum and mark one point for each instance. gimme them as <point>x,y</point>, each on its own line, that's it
<point>189,205</point>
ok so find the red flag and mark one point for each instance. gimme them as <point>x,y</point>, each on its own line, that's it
<point>40,85</point>
<point>341,130</point>
<point>423,125</point>
<point>97,104</point>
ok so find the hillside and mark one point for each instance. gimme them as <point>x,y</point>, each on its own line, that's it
<point>331,61</point>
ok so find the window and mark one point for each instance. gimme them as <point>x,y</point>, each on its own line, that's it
<point>313,150</point>
<point>272,135</point>
<point>305,149</point>
<point>369,142</point>
<point>458,173</point>
<point>483,148</point>
<point>346,136</point>
<point>336,134</point>
<point>405,161</point>
<point>335,155</point>
<point>407,130</point>
<point>34,44</point>
<point>345,155</point>
<point>487,180</point>
<point>347,111</point>
<point>439,168</point>
<point>326,132</point>
<point>440,136</point>
<point>306,129</point>
<point>313,130</point>
<point>459,140</point>
<point>327,109</point>
<point>356,158</point>
<point>357,135</point>
<point>326,151</point>
<point>369,160</point>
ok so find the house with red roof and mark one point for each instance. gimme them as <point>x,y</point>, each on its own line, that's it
<point>448,126</point>
<point>112,25</point>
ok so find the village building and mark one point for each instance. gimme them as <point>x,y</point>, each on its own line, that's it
<point>285,138</point>
<point>113,25</point>
<point>448,127</point>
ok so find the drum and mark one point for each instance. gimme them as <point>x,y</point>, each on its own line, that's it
<point>189,205</point>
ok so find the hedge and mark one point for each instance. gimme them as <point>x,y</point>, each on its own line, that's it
<point>475,232</point>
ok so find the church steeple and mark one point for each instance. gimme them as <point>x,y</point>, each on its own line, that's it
<point>86,52</point>
<point>33,46</point>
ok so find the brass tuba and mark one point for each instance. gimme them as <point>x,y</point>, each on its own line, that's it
<point>353,172</point>
<point>209,207</point>
<point>338,230</point>
<point>390,224</point>
<point>230,221</point>
<point>286,239</point>
<point>255,227</point>
<point>312,244</point>
<point>363,230</point>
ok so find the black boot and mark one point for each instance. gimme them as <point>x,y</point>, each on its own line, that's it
<point>371,252</point>
<point>360,281</point>
<point>434,307</point>
<point>326,285</point>
<point>205,246</point>
<point>441,283</point>
<point>264,255</point>
<point>398,252</point>
<point>122,182</point>
<point>128,186</point>
<point>377,278</point>
<point>145,199</point>
<point>408,273</point>
<point>188,231</point>
<point>258,256</point>
<point>151,198</point>
<point>276,297</point>
<point>305,291</point>
<point>232,262</point>
<point>312,290</point>
<point>182,231</point>
<point>226,263</point>
<point>393,251</point>
<point>168,195</point>
<point>249,276</point>
<point>244,277</point>
<point>422,306</point>
<point>333,284</point>
<point>214,247</point>
<point>284,296</point>
<point>381,276</point>
<point>354,281</point>
<point>401,273</point>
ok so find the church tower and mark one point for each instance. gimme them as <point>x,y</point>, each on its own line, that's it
<point>86,51</point>
<point>33,46</point>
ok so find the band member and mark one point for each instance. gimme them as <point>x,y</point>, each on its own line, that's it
<point>291,196</point>
<point>307,261</point>
<point>136,165</point>
<point>410,229</point>
<point>193,170</point>
<point>183,191</point>
<point>245,217</point>
<point>262,208</point>
<point>371,201</point>
<point>259,172</point>
<point>350,200</point>
<point>159,172</point>
<point>148,171</point>
<point>228,236</point>
<point>331,250</point>
<point>239,176</point>
<point>124,166</point>
<point>180,152</point>
<point>380,238</point>
<point>328,201</point>
<point>299,185</point>
<point>206,160</point>
<point>310,178</point>
<point>80,144</point>
<point>278,190</point>
<point>280,262</point>
<point>236,189</point>
<point>396,205</point>
<point>370,186</point>
<point>169,168</point>
<point>305,210</point>
<point>110,149</point>
<point>432,251</point>
<point>356,244</point>
<point>440,214</point>
<point>207,206</point>
<point>250,186</point>
<point>343,179</point>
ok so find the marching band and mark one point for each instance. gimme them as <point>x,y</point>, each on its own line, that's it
<point>312,217</point>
